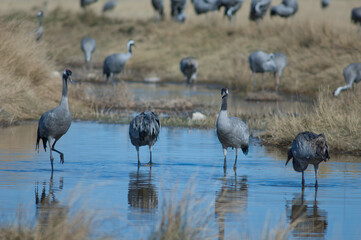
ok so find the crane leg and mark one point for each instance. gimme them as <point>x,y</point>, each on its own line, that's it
<point>316,168</point>
<point>61,154</point>
<point>262,82</point>
<point>235,161</point>
<point>225,158</point>
<point>138,156</point>
<point>254,80</point>
<point>277,82</point>
<point>51,155</point>
<point>303,179</point>
<point>150,152</point>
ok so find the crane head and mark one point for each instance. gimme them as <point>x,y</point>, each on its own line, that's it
<point>224,92</point>
<point>67,74</point>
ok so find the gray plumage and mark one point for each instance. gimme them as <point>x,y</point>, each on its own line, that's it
<point>259,9</point>
<point>189,67</point>
<point>85,3</point>
<point>308,148</point>
<point>177,10</point>
<point>110,5</point>
<point>88,45</point>
<point>325,3</point>
<point>261,62</point>
<point>115,63</point>
<point>231,7</point>
<point>54,123</point>
<point>231,131</point>
<point>39,31</point>
<point>144,130</point>
<point>286,9</point>
<point>158,6</point>
<point>351,74</point>
<point>205,6</point>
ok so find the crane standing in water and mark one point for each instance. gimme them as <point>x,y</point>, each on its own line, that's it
<point>144,130</point>
<point>308,148</point>
<point>54,123</point>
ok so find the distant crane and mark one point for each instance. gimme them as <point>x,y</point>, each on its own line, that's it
<point>351,74</point>
<point>177,10</point>
<point>39,31</point>
<point>308,148</point>
<point>231,131</point>
<point>231,7</point>
<point>88,45</point>
<point>54,123</point>
<point>205,6</point>
<point>356,17</point>
<point>189,67</point>
<point>286,9</point>
<point>115,63</point>
<point>110,5</point>
<point>144,130</point>
<point>158,6</point>
<point>85,3</point>
<point>259,9</point>
<point>325,3</point>
<point>261,62</point>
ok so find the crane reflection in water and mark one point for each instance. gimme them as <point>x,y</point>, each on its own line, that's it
<point>231,199</point>
<point>142,193</point>
<point>312,220</point>
<point>48,209</point>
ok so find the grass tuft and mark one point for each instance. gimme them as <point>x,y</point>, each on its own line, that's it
<point>338,118</point>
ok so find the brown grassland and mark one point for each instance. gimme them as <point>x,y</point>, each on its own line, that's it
<point>318,44</point>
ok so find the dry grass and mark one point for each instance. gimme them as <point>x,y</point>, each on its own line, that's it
<point>24,73</point>
<point>59,226</point>
<point>338,118</point>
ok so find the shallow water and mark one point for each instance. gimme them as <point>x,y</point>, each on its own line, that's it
<point>209,95</point>
<point>100,175</point>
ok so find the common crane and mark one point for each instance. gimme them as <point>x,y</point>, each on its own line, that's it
<point>231,7</point>
<point>39,31</point>
<point>177,10</point>
<point>144,130</point>
<point>308,148</point>
<point>325,3</point>
<point>231,131</point>
<point>352,74</point>
<point>205,6</point>
<point>158,6</point>
<point>110,5</point>
<point>85,3</point>
<point>261,62</point>
<point>54,123</point>
<point>356,17</point>
<point>286,9</point>
<point>115,63</point>
<point>88,45</point>
<point>189,67</point>
<point>259,9</point>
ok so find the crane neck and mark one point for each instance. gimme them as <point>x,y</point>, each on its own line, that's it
<point>65,88</point>
<point>224,103</point>
<point>130,49</point>
<point>40,21</point>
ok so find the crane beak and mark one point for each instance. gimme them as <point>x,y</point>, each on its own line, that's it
<point>71,80</point>
<point>287,161</point>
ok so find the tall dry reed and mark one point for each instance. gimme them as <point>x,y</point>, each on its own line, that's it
<point>339,118</point>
